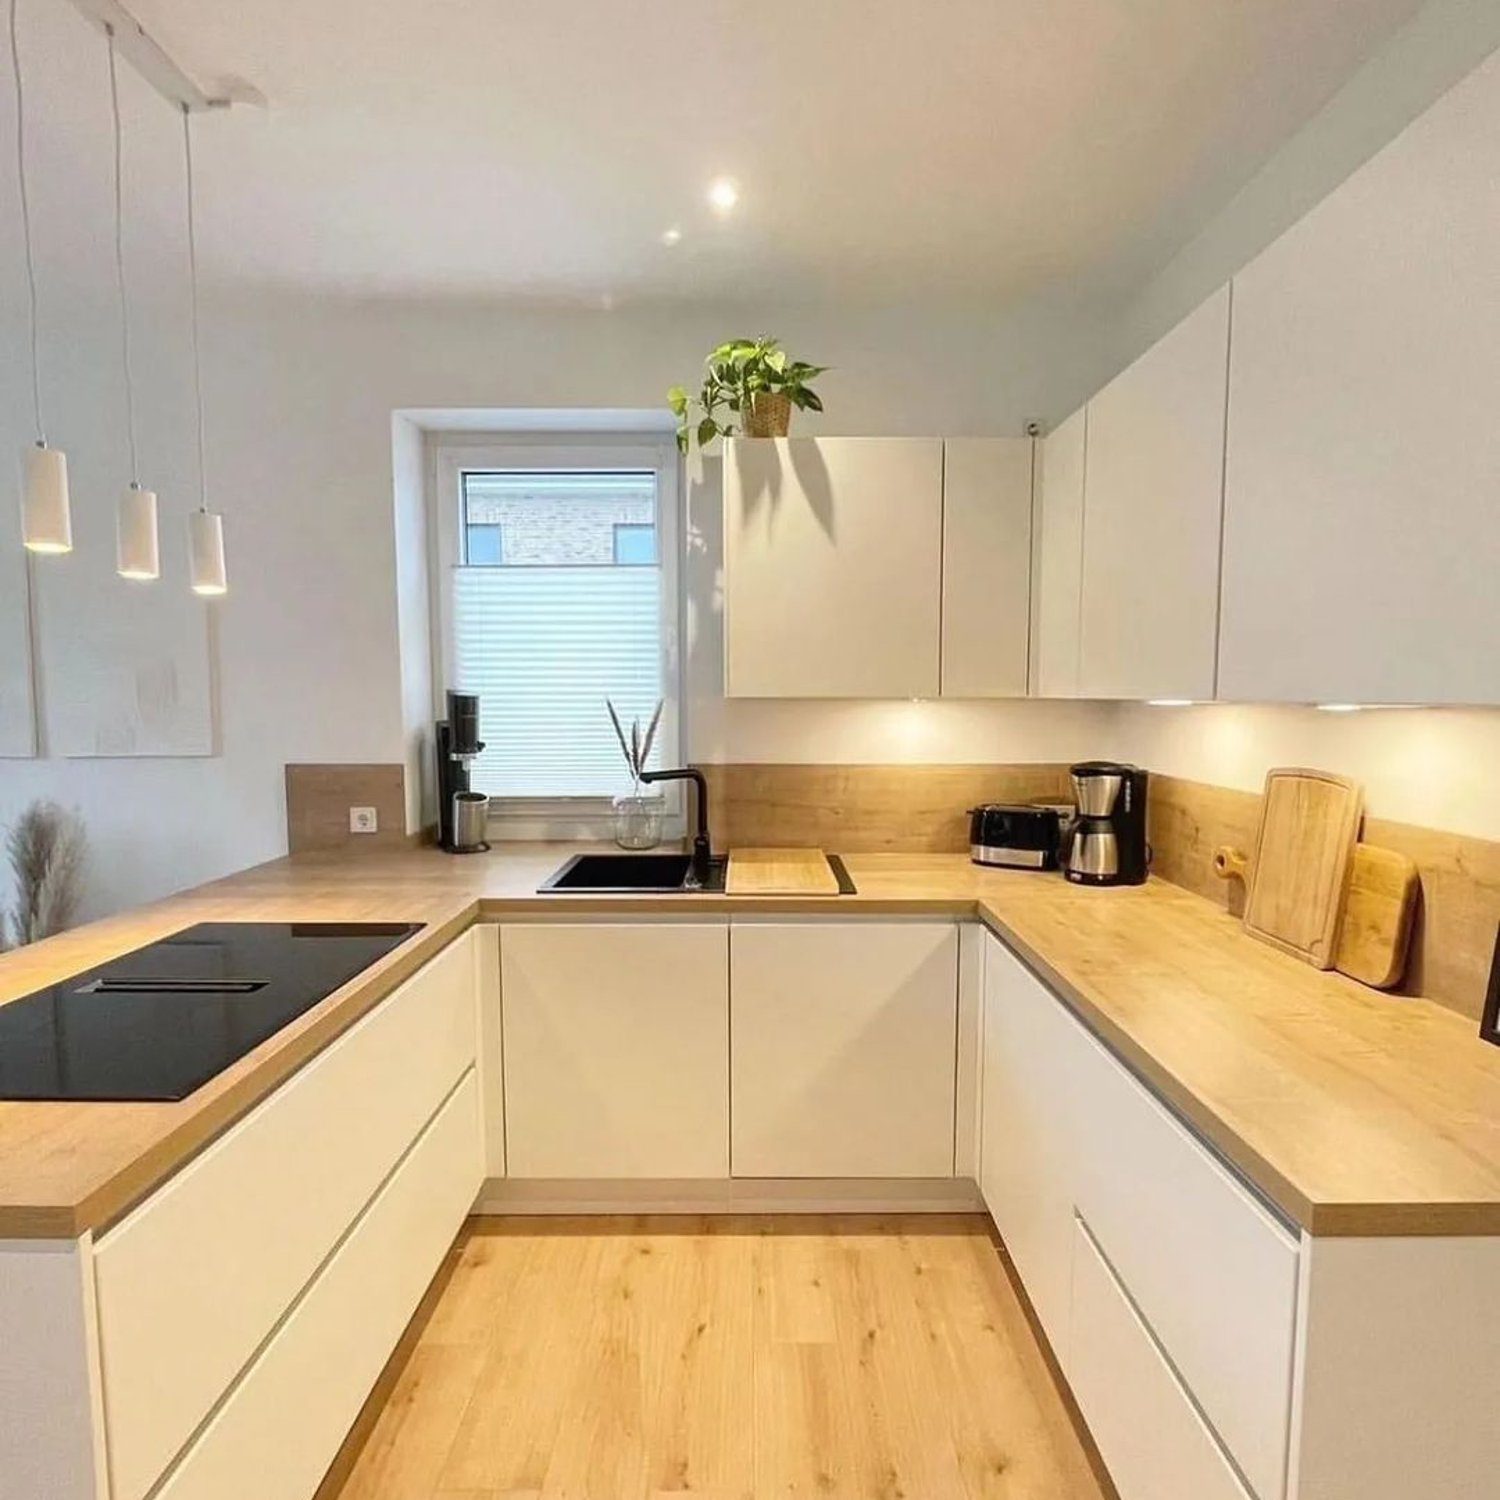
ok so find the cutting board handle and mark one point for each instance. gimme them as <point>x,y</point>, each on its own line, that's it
<point>1231,863</point>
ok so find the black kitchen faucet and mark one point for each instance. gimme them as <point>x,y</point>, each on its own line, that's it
<point>702,849</point>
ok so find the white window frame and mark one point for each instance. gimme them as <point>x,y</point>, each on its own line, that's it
<point>450,455</point>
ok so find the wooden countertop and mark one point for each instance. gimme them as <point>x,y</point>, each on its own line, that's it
<point>1356,1113</point>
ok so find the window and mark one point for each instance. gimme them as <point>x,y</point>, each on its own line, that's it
<point>635,544</point>
<point>484,544</point>
<point>559,591</point>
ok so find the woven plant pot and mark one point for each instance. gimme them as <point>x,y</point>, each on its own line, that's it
<point>770,415</point>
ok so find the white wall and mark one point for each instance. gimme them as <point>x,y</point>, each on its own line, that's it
<point>1434,766</point>
<point>311,641</point>
<point>311,637</point>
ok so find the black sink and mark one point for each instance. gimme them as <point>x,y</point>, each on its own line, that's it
<point>610,874</point>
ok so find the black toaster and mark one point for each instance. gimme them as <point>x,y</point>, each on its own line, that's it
<point>1014,836</point>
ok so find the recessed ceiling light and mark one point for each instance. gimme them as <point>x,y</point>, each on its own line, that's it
<point>671,236</point>
<point>1169,702</point>
<point>723,194</point>
<point>1340,708</point>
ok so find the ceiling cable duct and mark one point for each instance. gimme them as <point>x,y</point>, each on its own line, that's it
<point>46,514</point>
<point>205,527</point>
<point>137,555</point>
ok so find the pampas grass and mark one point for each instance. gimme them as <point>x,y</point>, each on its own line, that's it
<point>46,848</point>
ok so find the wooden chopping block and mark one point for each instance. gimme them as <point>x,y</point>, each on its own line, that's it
<point>780,872</point>
<point>1375,929</point>
<point>1299,873</point>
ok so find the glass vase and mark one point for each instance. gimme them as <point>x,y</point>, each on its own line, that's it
<point>637,820</point>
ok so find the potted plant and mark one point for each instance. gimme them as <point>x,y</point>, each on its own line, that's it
<point>751,382</point>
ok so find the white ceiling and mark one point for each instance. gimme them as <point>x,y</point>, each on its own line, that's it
<point>884,148</point>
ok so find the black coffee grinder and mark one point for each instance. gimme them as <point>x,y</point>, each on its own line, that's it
<point>461,812</point>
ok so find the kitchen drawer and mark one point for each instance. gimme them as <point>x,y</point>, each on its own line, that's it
<point>1153,1441</point>
<point>1212,1271</point>
<point>192,1281</point>
<point>281,1426</point>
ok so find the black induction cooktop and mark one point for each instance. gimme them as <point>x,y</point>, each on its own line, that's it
<point>157,1023</point>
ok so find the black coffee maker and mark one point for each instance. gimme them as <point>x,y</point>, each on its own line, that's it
<point>1108,845</point>
<point>461,811</point>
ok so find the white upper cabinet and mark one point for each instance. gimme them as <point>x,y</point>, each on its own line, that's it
<point>832,567</point>
<point>986,580</point>
<point>1362,540</point>
<point>1153,501</point>
<point>1059,559</point>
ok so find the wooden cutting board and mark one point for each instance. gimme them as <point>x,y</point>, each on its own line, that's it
<point>1299,871</point>
<point>1375,932</point>
<point>780,872</point>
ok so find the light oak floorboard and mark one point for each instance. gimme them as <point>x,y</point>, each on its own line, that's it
<point>735,1358</point>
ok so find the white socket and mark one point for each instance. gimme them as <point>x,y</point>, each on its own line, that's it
<point>46,520</point>
<point>136,554</point>
<point>206,549</point>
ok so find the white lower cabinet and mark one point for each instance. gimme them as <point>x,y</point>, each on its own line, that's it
<point>1030,1159</point>
<point>1204,1269</point>
<point>843,1046</point>
<point>1151,1437</point>
<point>616,1049</point>
<point>282,1424</point>
<point>192,1281</point>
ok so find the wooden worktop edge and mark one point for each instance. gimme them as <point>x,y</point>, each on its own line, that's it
<point>242,1087</point>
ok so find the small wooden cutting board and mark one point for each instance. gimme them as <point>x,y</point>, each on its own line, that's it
<point>1299,872</point>
<point>780,872</point>
<point>1376,929</point>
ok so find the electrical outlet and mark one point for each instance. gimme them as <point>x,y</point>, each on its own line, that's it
<point>363,820</point>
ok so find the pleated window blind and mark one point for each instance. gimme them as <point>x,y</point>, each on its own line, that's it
<point>548,621</point>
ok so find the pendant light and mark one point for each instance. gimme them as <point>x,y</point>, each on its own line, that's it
<point>136,553</point>
<point>46,518</point>
<point>205,527</point>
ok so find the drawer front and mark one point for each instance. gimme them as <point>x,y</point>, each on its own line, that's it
<point>193,1280</point>
<point>281,1426</point>
<point>1152,1440</point>
<point>1211,1270</point>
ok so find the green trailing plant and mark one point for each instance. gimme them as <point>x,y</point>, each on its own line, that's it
<point>733,376</point>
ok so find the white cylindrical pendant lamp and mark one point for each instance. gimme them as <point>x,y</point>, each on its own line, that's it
<point>136,553</point>
<point>206,545</point>
<point>46,518</point>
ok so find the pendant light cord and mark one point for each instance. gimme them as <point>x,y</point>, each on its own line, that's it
<point>36,372</point>
<point>114,109</point>
<point>192,241</point>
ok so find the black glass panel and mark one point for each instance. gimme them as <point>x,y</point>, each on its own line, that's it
<point>161,1021</point>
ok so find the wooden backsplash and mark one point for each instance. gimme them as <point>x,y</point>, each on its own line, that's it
<point>1453,943</point>
<point>909,809</point>
<point>924,809</point>
<point>318,799</point>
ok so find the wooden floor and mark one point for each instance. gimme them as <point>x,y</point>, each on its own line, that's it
<point>631,1359</point>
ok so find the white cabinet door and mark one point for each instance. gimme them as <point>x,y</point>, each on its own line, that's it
<point>1153,502</point>
<point>1362,521</point>
<point>843,1044</point>
<point>616,1049</point>
<point>832,567</point>
<point>986,566</point>
<point>1029,1162</point>
<point>1059,559</point>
